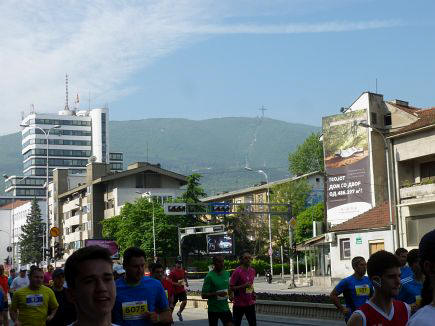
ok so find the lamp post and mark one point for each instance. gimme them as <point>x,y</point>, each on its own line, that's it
<point>365,125</point>
<point>268,216</point>
<point>47,134</point>
<point>148,194</point>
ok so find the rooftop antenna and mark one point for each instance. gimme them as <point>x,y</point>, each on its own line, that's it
<point>66,92</point>
<point>89,100</point>
<point>376,86</point>
<point>32,108</point>
<point>262,109</point>
<point>77,103</point>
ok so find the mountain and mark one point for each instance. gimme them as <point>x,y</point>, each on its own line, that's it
<point>219,149</point>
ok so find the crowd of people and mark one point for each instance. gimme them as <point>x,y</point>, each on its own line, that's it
<point>399,288</point>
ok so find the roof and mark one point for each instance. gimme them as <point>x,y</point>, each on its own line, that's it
<point>375,218</point>
<point>258,188</point>
<point>15,204</point>
<point>425,118</point>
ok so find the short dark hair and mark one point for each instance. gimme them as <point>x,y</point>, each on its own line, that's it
<point>413,257</point>
<point>215,258</point>
<point>12,270</point>
<point>155,266</point>
<point>400,251</point>
<point>356,260</point>
<point>81,255</point>
<point>380,261</point>
<point>243,253</point>
<point>34,269</point>
<point>131,252</point>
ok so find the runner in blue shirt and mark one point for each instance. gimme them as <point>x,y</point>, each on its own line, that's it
<point>140,300</point>
<point>356,289</point>
<point>410,291</point>
<point>405,270</point>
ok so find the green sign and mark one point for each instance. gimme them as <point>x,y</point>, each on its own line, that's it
<point>358,240</point>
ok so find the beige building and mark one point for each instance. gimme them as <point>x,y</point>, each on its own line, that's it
<point>79,203</point>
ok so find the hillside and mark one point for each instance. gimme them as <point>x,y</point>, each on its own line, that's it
<point>219,149</point>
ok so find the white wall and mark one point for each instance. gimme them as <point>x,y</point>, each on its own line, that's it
<point>5,230</point>
<point>342,268</point>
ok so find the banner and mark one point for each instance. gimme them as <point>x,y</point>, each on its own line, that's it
<point>347,166</point>
<point>108,244</point>
<point>219,243</point>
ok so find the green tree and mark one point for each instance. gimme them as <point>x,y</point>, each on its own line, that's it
<point>240,226</point>
<point>31,239</point>
<point>304,222</point>
<point>308,157</point>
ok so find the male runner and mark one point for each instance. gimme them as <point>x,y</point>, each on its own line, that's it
<point>410,291</point>
<point>356,289</point>
<point>140,300</point>
<point>384,272</point>
<point>405,270</point>
<point>21,281</point>
<point>179,281</point>
<point>215,289</point>
<point>158,273</point>
<point>242,284</point>
<point>5,287</point>
<point>89,277</point>
<point>66,312</point>
<point>12,275</point>
<point>35,304</point>
<point>48,275</point>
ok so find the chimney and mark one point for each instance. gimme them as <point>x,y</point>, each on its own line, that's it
<point>96,170</point>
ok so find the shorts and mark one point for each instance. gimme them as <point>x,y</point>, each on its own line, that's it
<point>180,297</point>
<point>225,317</point>
<point>4,306</point>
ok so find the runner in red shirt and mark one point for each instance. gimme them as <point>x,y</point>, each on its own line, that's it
<point>5,287</point>
<point>383,269</point>
<point>179,281</point>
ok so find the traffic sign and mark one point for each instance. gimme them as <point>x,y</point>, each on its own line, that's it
<point>293,222</point>
<point>54,232</point>
<point>9,249</point>
<point>175,209</point>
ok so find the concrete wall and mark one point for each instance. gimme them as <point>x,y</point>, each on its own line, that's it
<point>415,145</point>
<point>342,268</point>
<point>5,231</point>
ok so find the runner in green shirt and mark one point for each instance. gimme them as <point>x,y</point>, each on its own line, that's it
<point>215,289</point>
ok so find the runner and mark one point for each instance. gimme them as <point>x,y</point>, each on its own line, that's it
<point>384,272</point>
<point>179,281</point>
<point>89,277</point>
<point>66,312</point>
<point>35,304</point>
<point>21,281</point>
<point>118,271</point>
<point>410,291</point>
<point>405,270</point>
<point>48,275</point>
<point>5,287</point>
<point>12,275</point>
<point>140,300</point>
<point>215,289</point>
<point>242,284</point>
<point>158,273</point>
<point>356,289</point>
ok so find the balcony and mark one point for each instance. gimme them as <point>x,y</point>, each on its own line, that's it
<point>110,212</point>
<point>417,191</point>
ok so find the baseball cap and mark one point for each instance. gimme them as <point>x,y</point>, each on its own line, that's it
<point>118,269</point>
<point>57,272</point>
<point>23,268</point>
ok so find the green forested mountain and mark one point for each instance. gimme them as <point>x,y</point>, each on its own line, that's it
<point>219,149</point>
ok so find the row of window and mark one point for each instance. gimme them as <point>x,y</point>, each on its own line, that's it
<point>57,142</point>
<point>75,228</point>
<point>116,166</point>
<point>26,182</point>
<point>30,192</point>
<point>54,162</point>
<point>60,132</point>
<point>56,152</point>
<point>41,171</point>
<point>115,156</point>
<point>60,122</point>
<point>75,212</point>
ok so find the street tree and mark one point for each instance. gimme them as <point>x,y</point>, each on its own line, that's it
<point>241,226</point>
<point>31,239</point>
<point>304,221</point>
<point>308,157</point>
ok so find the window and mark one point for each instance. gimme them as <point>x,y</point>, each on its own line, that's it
<point>344,249</point>
<point>418,226</point>
<point>376,246</point>
<point>427,170</point>
<point>374,118</point>
<point>387,119</point>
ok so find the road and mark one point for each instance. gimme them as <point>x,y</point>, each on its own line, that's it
<point>198,317</point>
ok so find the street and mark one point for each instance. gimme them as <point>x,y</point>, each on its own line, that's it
<point>198,317</point>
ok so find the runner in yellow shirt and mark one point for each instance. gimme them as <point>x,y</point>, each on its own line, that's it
<point>35,304</point>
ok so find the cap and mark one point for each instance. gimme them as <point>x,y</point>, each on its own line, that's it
<point>23,268</point>
<point>426,248</point>
<point>118,269</point>
<point>57,272</point>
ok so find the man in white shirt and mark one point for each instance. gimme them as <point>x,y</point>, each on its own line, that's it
<point>20,281</point>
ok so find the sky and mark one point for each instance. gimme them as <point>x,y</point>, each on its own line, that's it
<point>301,59</point>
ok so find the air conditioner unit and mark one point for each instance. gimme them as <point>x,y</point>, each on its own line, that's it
<point>330,237</point>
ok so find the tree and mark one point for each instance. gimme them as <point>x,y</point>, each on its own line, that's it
<point>308,157</point>
<point>31,239</point>
<point>240,226</point>
<point>304,222</point>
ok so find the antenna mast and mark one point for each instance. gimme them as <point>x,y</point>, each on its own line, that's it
<point>66,92</point>
<point>262,109</point>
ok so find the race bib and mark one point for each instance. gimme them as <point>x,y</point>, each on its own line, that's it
<point>362,290</point>
<point>34,300</point>
<point>167,294</point>
<point>418,300</point>
<point>250,289</point>
<point>134,310</point>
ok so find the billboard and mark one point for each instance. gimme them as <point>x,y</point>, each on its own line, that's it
<point>108,244</point>
<point>347,166</point>
<point>219,243</point>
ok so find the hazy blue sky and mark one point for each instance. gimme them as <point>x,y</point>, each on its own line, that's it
<point>202,59</point>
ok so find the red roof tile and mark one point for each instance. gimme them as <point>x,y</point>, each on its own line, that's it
<point>375,218</point>
<point>426,117</point>
<point>14,204</point>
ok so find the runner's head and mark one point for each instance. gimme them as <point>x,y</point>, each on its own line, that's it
<point>245,259</point>
<point>427,263</point>
<point>2,269</point>
<point>402,253</point>
<point>218,262</point>
<point>58,278</point>
<point>413,260</point>
<point>383,269</point>
<point>23,271</point>
<point>36,276</point>
<point>178,263</point>
<point>134,264</point>
<point>157,271</point>
<point>359,265</point>
<point>88,274</point>
<point>12,272</point>
<point>50,268</point>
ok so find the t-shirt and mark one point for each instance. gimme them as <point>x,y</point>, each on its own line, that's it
<point>4,285</point>
<point>406,274</point>
<point>10,279</point>
<point>423,317</point>
<point>372,315</point>
<point>66,313</point>
<point>169,288</point>
<point>19,282</point>
<point>215,282</point>
<point>243,297</point>
<point>178,275</point>
<point>355,291</point>
<point>33,305</point>
<point>47,277</point>
<point>410,291</point>
<point>133,301</point>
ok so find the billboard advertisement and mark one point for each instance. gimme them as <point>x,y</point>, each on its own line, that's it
<point>108,244</point>
<point>347,166</point>
<point>219,243</point>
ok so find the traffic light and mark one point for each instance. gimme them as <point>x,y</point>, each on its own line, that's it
<point>49,253</point>
<point>175,209</point>
<point>8,260</point>
<point>58,251</point>
<point>220,208</point>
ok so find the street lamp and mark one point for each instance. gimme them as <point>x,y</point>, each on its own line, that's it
<point>148,194</point>
<point>47,134</point>
<point>365,125</point>
<point>268,216</point>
